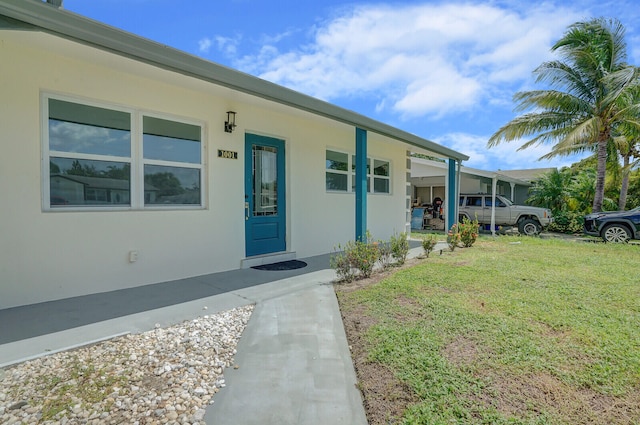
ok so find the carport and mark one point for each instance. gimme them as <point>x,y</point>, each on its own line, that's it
<point>429,178</point>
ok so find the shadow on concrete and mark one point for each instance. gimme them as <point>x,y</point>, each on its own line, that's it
<point>33,320</point>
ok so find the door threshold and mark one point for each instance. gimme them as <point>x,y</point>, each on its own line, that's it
<point>260,260</point>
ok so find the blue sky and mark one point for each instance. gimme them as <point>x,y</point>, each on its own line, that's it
<point>445,71</point>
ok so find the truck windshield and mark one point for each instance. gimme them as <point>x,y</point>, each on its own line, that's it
<point>506,201</point>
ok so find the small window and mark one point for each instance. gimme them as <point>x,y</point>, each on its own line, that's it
<point>340,173</point>
<point>381,176</point>
<point>337,174</point>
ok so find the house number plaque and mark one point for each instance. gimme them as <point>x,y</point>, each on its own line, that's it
<point>227,154</point>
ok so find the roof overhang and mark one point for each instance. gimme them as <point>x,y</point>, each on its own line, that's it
<point>430,168</point>
<point>45,17</point>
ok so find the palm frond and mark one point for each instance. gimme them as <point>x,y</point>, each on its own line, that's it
<point>564,77</point>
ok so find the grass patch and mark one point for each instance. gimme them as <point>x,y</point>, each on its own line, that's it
<point>82,384</point>
<point>511,331</point>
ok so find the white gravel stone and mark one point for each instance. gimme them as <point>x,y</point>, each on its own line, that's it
<point>166,375</point>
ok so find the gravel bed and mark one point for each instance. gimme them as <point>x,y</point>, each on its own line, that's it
<point>164,376</point>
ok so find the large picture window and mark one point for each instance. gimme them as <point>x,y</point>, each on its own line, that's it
<point>93,159</point>
<point>340,173</point>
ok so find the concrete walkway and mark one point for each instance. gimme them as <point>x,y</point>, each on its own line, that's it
<point>295,364</point>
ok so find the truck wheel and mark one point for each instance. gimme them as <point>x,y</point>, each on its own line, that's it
<point>615,233</point>
<point>529,227</point>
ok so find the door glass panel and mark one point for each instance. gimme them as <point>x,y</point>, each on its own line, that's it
<point>265,173</point>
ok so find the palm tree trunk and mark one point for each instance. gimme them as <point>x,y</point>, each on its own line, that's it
<point>601,172</point>
<point>622,202</point>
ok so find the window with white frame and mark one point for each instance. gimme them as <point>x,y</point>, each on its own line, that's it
<point>341,172</point>
<point>172,157</point>
<point>381,176</point>
<point>94,157</point>
<point>337,174</point>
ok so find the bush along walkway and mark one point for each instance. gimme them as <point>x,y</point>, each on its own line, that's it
<point>361,258</point>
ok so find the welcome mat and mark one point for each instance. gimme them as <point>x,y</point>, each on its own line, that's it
<point>281,266</point>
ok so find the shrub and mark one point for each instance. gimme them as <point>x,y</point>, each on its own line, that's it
<point>341,263</point>
<point>428,243</point>
<point>399,247</point>
<point>453,237</point>
<point>356,255</point>
<point>384,254</point>
<point>567,222</point>
<point>468,231</point>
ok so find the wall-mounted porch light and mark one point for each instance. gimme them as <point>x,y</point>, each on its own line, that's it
<point>230,123</point>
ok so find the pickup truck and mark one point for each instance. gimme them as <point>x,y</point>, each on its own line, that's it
<point>529,220</point>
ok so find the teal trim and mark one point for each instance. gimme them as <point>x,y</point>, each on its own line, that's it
<point>361,184</point>
<point>452,202</point>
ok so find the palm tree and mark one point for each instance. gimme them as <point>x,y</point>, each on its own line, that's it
<point>551,191</point>
<point>627,143</point>
<point>580,110</point>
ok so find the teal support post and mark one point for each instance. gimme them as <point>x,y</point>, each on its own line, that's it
<point>452,195</point>
<point>361,184</point>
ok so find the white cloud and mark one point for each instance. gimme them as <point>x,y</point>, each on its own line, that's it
<point>505,154</point>
<point>225,45</point>
<point>418,60</point>
<point>204,45</point>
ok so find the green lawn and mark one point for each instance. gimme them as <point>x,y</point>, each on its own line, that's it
<point>510,331</point>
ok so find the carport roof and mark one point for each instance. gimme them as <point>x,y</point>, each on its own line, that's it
<point>84,30</point>
<point>434,168</point>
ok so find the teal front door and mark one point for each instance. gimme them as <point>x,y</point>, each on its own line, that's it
<point>265,219</point>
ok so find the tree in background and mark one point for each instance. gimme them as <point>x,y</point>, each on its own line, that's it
<point>166,183</point>
<point>583,105</point>
<point>551,191</point>
<point>627,141</point>
<point>569,194</point>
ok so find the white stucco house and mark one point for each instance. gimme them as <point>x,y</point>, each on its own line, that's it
<point>126,162</point>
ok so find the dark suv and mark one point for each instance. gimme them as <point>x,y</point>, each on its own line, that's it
<point>614,226</point>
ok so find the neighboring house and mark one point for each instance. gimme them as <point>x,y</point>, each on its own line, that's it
<point>76,190</point>
<point>428,179</point>
<point>126,163</point>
